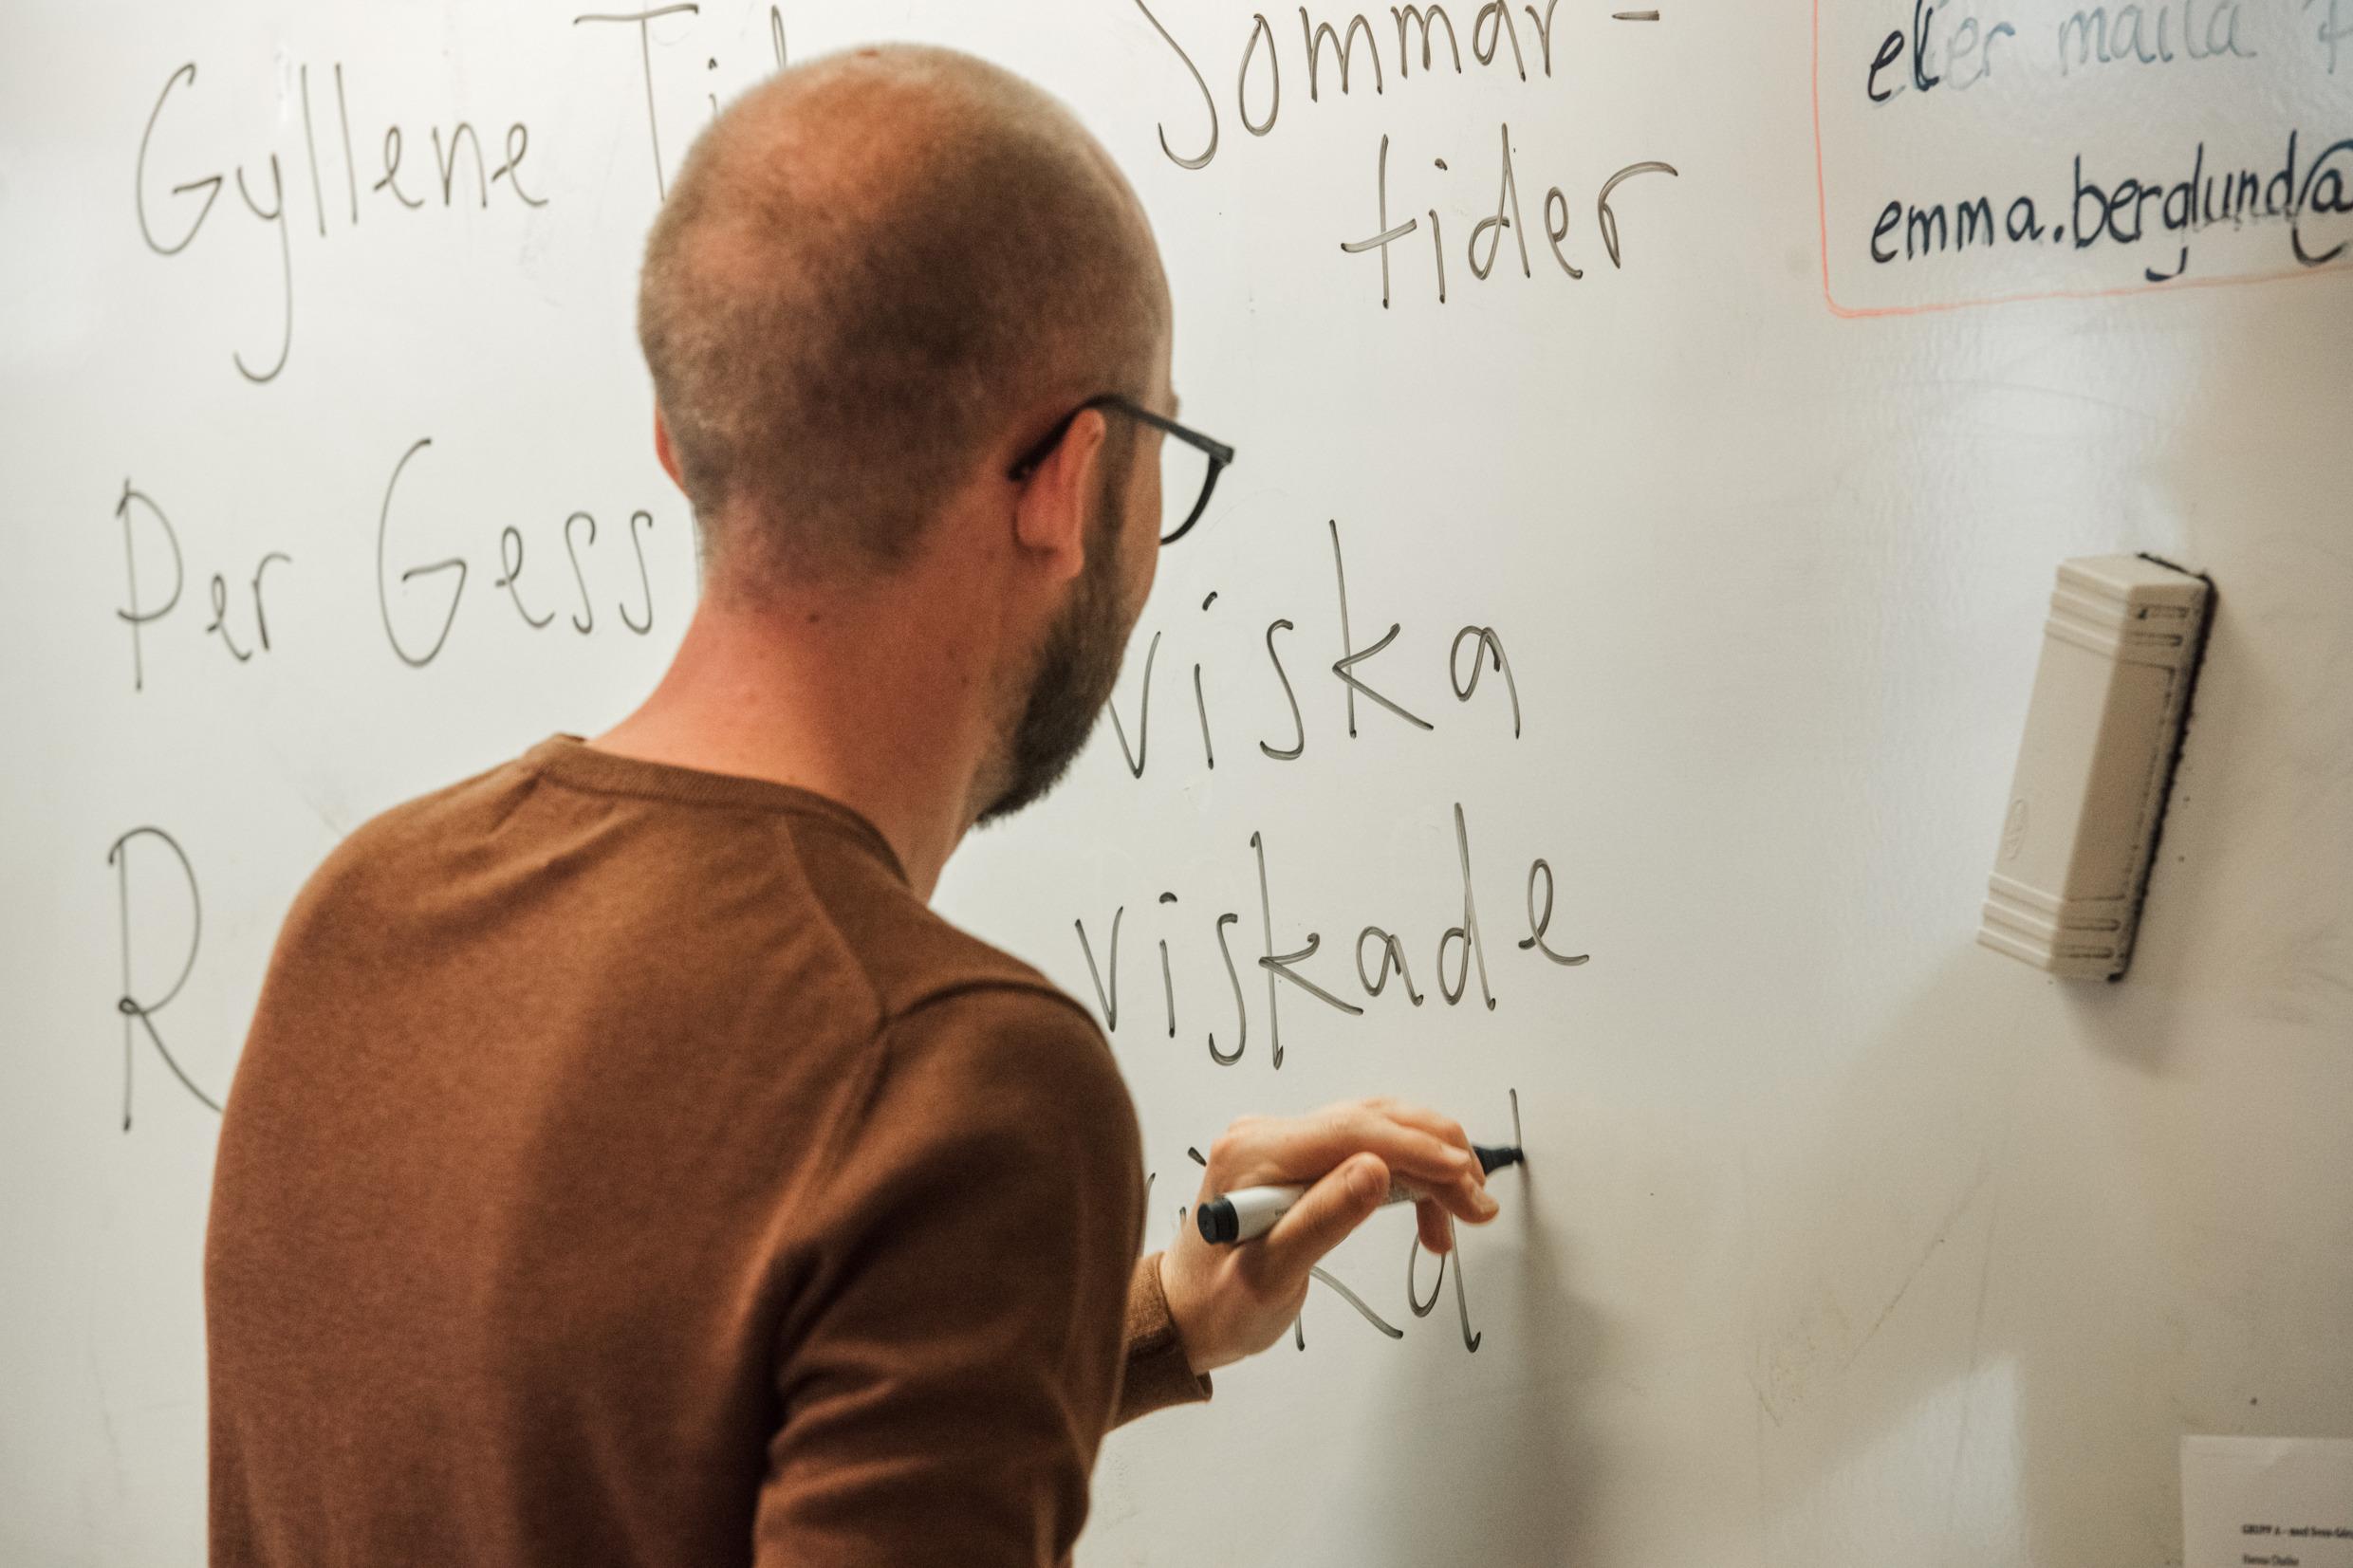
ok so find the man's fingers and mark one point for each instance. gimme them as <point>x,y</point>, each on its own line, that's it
<point>1430,1219</point>
<point>1438,1125</point>
<point>1447,1171</point>
<point>1467,1201</point>
<point>1411,1150</point>
<point>1322,1218</point>
<point>1304,1150</point>
<point>1417,1147</point>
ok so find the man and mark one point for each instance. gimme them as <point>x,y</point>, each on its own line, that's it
<point>626,1166</point>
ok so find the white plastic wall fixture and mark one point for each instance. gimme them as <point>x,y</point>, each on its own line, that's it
<point>2119,651</point>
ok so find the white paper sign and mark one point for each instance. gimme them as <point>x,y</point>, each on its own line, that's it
<point>2266,1503</point>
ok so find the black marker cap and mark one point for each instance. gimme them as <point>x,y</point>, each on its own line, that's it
<point>1218,1222</point>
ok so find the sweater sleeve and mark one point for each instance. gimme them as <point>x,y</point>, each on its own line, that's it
<point>952,1359</point>
<point>1158,1374</point>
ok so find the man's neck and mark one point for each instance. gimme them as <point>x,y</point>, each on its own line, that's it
<point>846,700</point>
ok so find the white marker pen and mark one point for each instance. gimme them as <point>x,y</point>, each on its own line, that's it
<point>1248,1211</point>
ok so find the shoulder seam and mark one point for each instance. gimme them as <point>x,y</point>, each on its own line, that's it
<point>1012,974</point>
<point>849,956</point>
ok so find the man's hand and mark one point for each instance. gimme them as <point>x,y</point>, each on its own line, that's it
<point>1231,1302</point>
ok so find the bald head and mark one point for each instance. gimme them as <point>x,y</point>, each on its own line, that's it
<point>871,268</point>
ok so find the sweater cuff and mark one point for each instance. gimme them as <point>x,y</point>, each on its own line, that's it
<point>1158,1374</point>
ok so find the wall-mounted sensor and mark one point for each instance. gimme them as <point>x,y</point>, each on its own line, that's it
<point>2119,651</point>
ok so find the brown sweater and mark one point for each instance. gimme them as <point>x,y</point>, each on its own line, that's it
<point>627,1168</point>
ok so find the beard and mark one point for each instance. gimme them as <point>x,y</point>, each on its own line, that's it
<point>1077,664</point>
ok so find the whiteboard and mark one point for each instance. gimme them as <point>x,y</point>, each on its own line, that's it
<point>1840,1238</point>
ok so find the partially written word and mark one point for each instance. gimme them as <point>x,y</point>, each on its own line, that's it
<point>1420,1305</point>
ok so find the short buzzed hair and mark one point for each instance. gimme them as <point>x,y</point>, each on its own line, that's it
<point>870,264</point>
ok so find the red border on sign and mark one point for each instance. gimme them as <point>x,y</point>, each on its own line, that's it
<point>1822,198</point>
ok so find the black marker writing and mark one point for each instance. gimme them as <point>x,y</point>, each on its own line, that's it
<point>391,171</point>
<point>138,1015</point>
<point>1201,704</point>
<point>261,616</point>
<point>133,615</point>
<point>447,166</point>
<point>310,151</point>
<point>1437,246</point>
<point>1392,956</point>
<point>1494,227</point>
<point>285,255</point>
<point>343,116</point>
<point>1344,45</point>
<point>1488,644</point>
<point>1299,727</point>
<point>1379,953</point>
<point>1540,923</point>
<point>645,52</point>
<point>452,151</point>
<point>138,615</point>
<point>510,563</point>
<point>1334,38</point>
<point>1462,1304</point>
<point>585,621</point>
<point>1241,1015</point>
<point>2119,214</point>
<point>1556,229</point>
<point>1350,656</point>
<point>1324,1276</point>
<point>1387,234</point>
<point>210,184</point>
<point>1468,933</point>
<point>1107,999</point>
<point>220,619</point>
<point>1279,964</point>
<point>1260,28</point>
<point>1168,984</point>
<point>518,144</point>
<point>1490,229</point>
<point>1144,717</point>
<point>645,584</point>
<point>384,598</point>
<point>1201,160</point>
<point>1602,212</point>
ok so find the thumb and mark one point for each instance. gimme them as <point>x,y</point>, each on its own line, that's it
<point>1322,1219</point>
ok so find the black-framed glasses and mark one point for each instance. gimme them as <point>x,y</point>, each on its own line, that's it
<point>1189,465</point>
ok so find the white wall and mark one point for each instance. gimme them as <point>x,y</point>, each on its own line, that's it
<point>1841,1239</point>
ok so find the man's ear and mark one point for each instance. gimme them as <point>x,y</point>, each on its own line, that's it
<point>663,450</point>
<point>1050,513</point>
